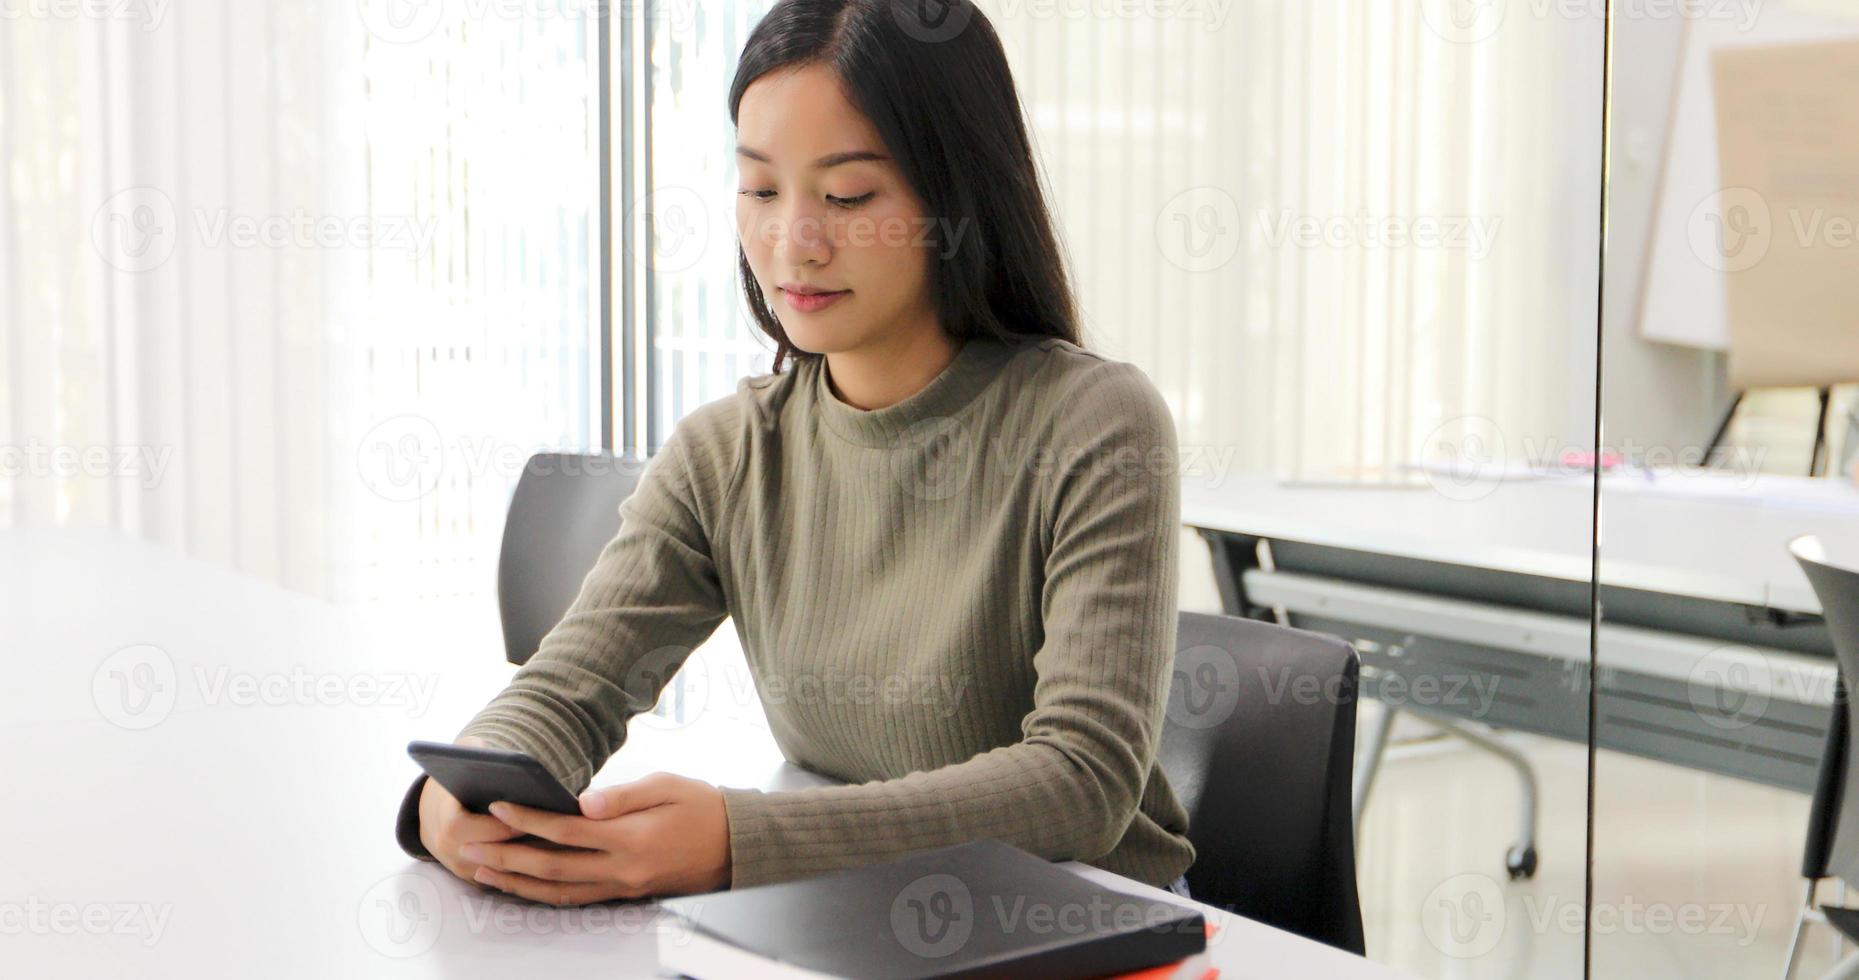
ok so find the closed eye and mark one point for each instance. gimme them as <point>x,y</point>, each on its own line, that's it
<point>842,202</point>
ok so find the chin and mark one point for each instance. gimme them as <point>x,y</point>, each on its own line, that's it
<point>813,337</point>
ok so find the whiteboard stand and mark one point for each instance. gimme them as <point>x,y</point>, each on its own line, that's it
<point>1817,462</point>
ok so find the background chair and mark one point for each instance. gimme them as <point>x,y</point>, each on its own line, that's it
<point>1259,744</point>
<point>1832,848</point>
<point>565,509</point>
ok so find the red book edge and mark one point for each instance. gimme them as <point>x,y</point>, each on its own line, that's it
<point>1168,972</point>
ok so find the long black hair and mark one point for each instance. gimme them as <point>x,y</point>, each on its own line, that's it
<point>939,92</point>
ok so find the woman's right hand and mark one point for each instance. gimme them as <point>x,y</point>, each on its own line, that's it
<point>446,826</point>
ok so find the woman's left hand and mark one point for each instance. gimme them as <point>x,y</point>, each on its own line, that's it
<point>661,835</point>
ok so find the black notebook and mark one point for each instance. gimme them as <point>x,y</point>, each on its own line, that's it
<point>979,910</point>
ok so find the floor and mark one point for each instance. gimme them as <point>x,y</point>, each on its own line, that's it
<point>1696,876</point>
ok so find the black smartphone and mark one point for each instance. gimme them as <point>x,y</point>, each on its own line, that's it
<point>479,777</point>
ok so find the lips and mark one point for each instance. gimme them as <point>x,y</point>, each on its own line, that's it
<point>807,299</point>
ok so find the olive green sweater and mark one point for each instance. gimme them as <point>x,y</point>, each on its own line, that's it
<point>962,605</point>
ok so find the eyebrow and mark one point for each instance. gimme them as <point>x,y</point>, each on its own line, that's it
<point>830,160</point>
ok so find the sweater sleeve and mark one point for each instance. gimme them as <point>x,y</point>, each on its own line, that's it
<point>1069,788</point>
<point>652,597</point>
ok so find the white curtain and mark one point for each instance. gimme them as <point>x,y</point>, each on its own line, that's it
<point>1328,227</point>
<point>1226,175</point>
<point>295,287</point>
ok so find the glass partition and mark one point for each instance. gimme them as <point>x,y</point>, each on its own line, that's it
<point>1356,246</point>
<point>1729,352</point>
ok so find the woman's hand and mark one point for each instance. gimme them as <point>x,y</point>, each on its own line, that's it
<point>661,835</point>
<point>446,826</point>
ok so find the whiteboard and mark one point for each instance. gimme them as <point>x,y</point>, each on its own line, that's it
<point>1685,301</point>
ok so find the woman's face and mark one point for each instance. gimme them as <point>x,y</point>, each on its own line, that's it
<point>822,209</point>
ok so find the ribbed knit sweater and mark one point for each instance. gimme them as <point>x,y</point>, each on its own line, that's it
<point>962,605</point>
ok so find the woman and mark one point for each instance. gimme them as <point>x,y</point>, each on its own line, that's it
<point>946,535</point>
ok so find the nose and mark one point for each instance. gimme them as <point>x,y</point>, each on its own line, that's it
<point>801,236</point>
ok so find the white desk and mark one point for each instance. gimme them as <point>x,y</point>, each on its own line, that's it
<point>1696,585</point>
<point>1709,536</point>
<point>182,833</point>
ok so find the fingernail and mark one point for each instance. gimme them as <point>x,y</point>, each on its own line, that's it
<point>500,810</point>
<point>590,803</point>
<point>472,853</point>
<point>482,876</point>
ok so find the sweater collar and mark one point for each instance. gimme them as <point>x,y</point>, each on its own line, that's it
<point>975,364</point>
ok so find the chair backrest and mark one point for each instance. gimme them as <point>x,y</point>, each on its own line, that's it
<point>1833,819</point>
<point>565,510</point>
<point>1259,745</point>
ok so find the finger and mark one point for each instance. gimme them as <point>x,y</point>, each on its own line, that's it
<point>536,862</point>
<point>562,828</point>
<point>549,892</point>
<point>642,794</point>
<point>470,827</point>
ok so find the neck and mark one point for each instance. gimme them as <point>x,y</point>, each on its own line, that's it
<point>885,373</point>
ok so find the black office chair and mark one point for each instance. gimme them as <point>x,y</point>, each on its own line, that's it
<point>565,509</point>
<point>1832,848</point>
<point>1259,745</point>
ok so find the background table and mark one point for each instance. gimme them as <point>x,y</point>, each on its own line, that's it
<point>1486,587</point>
<point>202,773</point>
